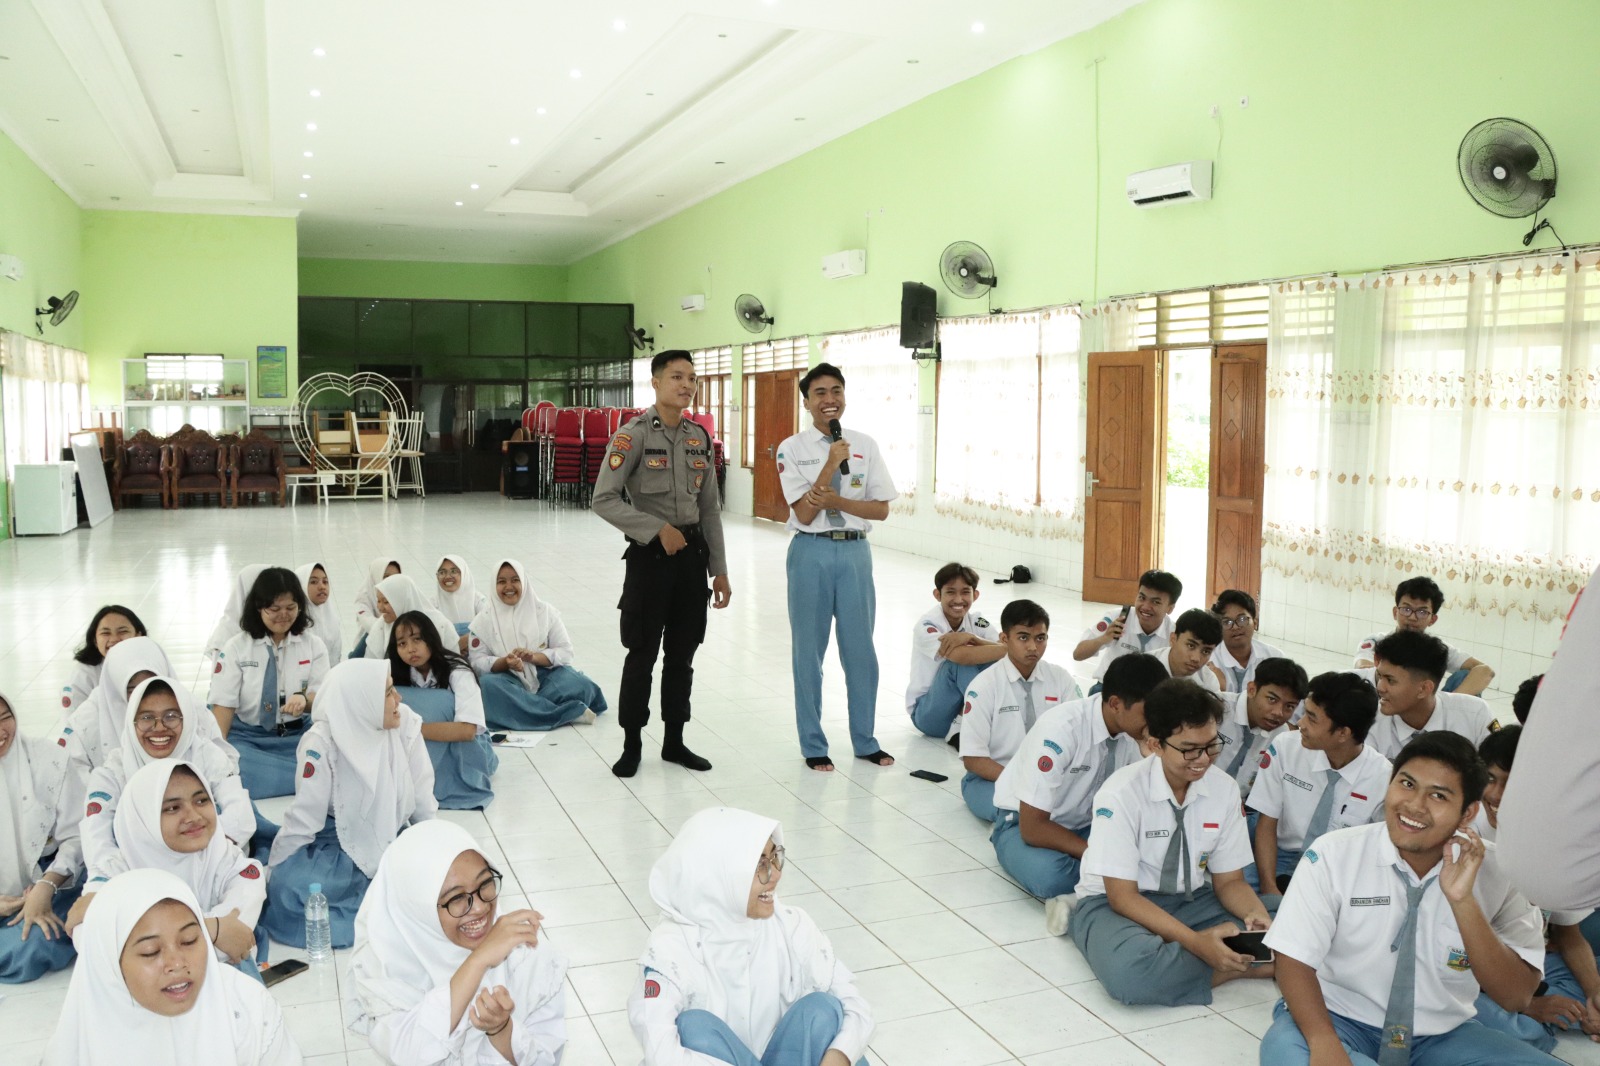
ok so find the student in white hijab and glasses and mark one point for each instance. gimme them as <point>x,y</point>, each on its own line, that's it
<point>456,594</point>
<point>325,620</point>
<point>147,991</point>
<point>367,598</point>
<point>732,975</point>
<point>40,860</point>
<point>398,595</point>
<point>227,626</point>
<point>438,975</point>
<point>522,655</point>
<point>364,776</point>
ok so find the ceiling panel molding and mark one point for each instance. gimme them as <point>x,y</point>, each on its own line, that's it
<point>528,202</point>
<point>243,24</point>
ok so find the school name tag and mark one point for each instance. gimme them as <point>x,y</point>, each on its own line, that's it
<point>1369,901</point>
<point>1297,783</point>
<point>1152,834</point>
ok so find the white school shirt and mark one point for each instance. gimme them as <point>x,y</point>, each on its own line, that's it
<point>1232,679</point>
<point>1058,760</point>
<point>81,680</point>
<point>1292,778</point>
<point>1133,640</point>
<point>925,661</point>
<point>1204,677</point>
<point>1133,824</point>
<point>1453,712</point>
<point>241,669</point>
<point>1236,727</point>
<point>801,456</point>
<point>464,686</point>
<point>994,716</point>
<point>1346,905</point>
<point>1366,652</point>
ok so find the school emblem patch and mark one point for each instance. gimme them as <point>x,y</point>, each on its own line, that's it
<point>933,629</point>
<point>1053,746</point>
<point>1458,960</point>
<point>1046,764</point>
<point>1494,725</point>
<point>61,741</point>
<point>780,468</point>
<point>1204,857</point>
<point>251,872</point>
<point>651,990</point>
<point>94,808</point>
<point>615,461</point>
<point>1266,758</point>
<point>1101,627</point>
<point>308,771</point>
<point>217,669</point>
<point>857,480</point>
<point>66,701</point>
<point>966,708</point>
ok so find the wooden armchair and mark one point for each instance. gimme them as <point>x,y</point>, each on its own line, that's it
<point>255,466</point>
<point>199,464</point>
<point>141,468</point>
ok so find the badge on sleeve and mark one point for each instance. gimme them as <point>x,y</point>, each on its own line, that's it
<point>66,701</point>
<point>1046,764</point>
<point>309,769</point>
<point>251,872</point>
<point>966,708</point>
<point>615,461</point>
<point>698,464</point>
<point>93,809</point>
<point>622,442</point>
<point>780,468</point>
<point>1103,812</point>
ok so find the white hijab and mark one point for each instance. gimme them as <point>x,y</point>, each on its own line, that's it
<point>366,602</point>
<point>373,792</point>
<point>525,624</point>
<point>324,617</point>
<point>130,755</point>
<point>32,773</point>
<point>233,1020</point>
<point>404,597</point>
<point>98,720</point>
<point>746,971</point>
<point>227,626</point>
<point>464,603</point>
<point>138,829</point>
<point>401,952</point>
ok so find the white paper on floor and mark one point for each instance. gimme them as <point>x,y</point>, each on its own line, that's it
<point>517,740</point>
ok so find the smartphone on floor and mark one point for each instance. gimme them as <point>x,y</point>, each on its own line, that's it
<point>282,971</point>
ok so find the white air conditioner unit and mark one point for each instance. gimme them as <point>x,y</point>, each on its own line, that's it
<point>1176,184</point>
<point>10,268</point>
<point>696,302</point>
<point>850,264</point>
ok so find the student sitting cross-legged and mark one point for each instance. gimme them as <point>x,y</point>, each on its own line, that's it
<point>1163,876</point>
<point>1410,668</point>
<point>1318,778</point>
<point>1142,626</point>
<point>1006,700</point>
<point>1417,602</point>
<point>1389,931</point>
<point>1241,650</point>
<point>1195,635</point>
<point>949,647</point>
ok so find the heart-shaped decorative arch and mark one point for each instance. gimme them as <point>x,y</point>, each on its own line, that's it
<point>304,428</point>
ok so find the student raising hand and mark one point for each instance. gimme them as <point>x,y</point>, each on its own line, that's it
<point>1463,858</point>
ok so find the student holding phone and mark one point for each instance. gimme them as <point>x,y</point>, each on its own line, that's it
<point>1115,635</point>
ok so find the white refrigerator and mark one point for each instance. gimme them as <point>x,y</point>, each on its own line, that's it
<point>43,498</point>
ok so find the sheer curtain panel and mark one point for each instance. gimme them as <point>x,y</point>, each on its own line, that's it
<point>881,399</point>
<point>46,389</point>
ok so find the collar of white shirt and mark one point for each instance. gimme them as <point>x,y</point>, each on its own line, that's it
<point>1386,854</point>
<point>1161,789</point>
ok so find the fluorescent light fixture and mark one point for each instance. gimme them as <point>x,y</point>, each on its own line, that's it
<point>618,25</point>
<point>458,203</point>
<point>307,155</point>
<point>575,73</point>
<point>302,196</point>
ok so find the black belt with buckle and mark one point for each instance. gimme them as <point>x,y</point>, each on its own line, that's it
<point>837,534</point>
<point>292,726</point>
<point>691,532</point>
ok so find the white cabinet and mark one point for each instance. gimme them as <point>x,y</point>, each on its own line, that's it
<point>43,498</point>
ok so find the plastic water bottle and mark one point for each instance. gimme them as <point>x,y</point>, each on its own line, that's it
<point>319,931</point>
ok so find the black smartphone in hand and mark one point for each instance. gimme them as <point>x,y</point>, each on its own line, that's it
<point>1250,943</point>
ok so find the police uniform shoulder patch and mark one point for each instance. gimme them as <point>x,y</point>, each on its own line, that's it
<point>1494,725</point>
<point>699,479</point>
<point>616,460</point>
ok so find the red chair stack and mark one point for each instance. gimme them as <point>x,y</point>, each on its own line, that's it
<point>566,453</point>
<point>596,435</point>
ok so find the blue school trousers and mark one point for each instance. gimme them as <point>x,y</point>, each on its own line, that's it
<point>564,694</point>
<point>801,1038</point>
<point>979,795</point>
<point>830,586</point>
<point>937,708</point>
<point>1042,872</point>
<point>1468,1044</point>
<point>1531,1031</point>
<point>462,769</point>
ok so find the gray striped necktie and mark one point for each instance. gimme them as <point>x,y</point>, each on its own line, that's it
<point>1108,754</point>
<point>1238,673</point>
<point>1177,854</point>
<point>1395,1040</point>
<point>1324,812</point>
<point>1029,714</point>
<point>1238,756</point>
<point>836,518</point>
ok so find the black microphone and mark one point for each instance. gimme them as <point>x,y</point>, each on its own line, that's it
<point>833,428</point>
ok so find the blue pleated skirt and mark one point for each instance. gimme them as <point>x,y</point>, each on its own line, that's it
<point>28,960</point>
<point>461,769</point>
<point>564,694</point>
<point>266,760</point>
<point>323,862</point>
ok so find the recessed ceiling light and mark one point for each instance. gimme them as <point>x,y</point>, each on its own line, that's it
<point>319,52</point>
<point>194,110</point>
<point>722,36</point>
<point>308,155</point>
<point>977,27</point>
<point>619,25</point>
<point>458,203</point>
<point>597,138</point>
<point>316,92</point>
<point>800,118</point>
<point>305,177</point>
<point>516,140</point>
<point>539,111</point>
<point>311,126</point>
<point>574,73</point>
<point>302,196</point>
<point>474,185</point>
<point>177,55</point>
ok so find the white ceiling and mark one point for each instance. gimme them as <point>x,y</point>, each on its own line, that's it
<point>624,111</point>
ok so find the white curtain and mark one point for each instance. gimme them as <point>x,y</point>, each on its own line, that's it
<point>644,393</point>
<point>46,391</point>
<point>881,399</point>
<point>1062,416</point>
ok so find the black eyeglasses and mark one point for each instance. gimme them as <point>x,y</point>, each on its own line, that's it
<point>1212,749</point>
<point>765,866</point>
<point>458,905</point>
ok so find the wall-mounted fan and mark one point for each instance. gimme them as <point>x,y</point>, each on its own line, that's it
<point>640,342</point>
<point>967,270</point>
<point>752,315</point>
<point>1508,169</point>
<point>58,308</point>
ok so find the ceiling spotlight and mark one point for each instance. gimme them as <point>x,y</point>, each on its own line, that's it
<point>575,73</point>
<point>539,111</point>
<point>311,126</point>
<point>319,52</point>
<point>474,185</point>
<point>977,27</point>
<point>305,177</point>
<point>618,25</point>
<point>516,140</point>
<point>316,92</point>
<point>302,196</point>
<point>458,203</point>
<point>308,155</point>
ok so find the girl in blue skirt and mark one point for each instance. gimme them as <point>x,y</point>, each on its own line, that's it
<point>440,686</point>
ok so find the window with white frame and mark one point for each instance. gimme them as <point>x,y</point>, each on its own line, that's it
<point>46,397</point>
<point>714,368</point>
<point>790,353</point>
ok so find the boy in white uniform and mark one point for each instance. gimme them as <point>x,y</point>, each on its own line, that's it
<point>1252,719</point>
<point>1163,877</point>
<point>1195,635</point>
<point>1417,602</point>
<point>1319,778</point>
<point>1389,930</point>
<point>1241,651</point>
<point>949,647</point>
<point>1004,702</point>
<point>1410,668</point>
<point>1114,636</point>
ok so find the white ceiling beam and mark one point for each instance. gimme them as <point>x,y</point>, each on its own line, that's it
<point>525,202</point>
<point>243,25</point>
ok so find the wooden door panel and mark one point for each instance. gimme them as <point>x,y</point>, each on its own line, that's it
<point>1238,467</point>
<point>775,394</point>
<point>1122,450</point>
<point>1121,390</point>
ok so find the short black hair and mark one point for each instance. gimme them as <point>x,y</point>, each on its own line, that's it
<point>1522,702</point>
<point>1176,704</point>
<point>271,583</point>
<point>442,662</point>
<point>1415,651</point>
<point>1348,699</point>
<point>1131,677</point>
<point>1456,752</point>
<point>952,571</point>
<point>671,355</point>
<point>1202,623</point>
<point>1235,598</point>
<point>90,654</point>
<point>1023,613</point>
<point>1162,582</point>
<point>1420,588</point>
<point>1500,747</point>
<point>1284,673</point>
<point>821,370</point>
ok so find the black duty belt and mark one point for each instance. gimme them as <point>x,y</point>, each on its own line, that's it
<point>691,532</point>
<point>835,534</point>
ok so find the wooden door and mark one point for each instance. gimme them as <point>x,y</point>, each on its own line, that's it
<point>777,398</point>
<point>1125,442</point>
<point>1238,467</point>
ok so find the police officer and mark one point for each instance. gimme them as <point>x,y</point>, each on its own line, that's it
<point>674,529</point>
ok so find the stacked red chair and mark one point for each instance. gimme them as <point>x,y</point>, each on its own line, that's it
<point>540,421</point>
<point>596,435</point>
<point>708,421</point>
<point>566,453</point>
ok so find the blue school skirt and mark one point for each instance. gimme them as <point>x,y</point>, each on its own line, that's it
<point>266,760</point>
<point>323,862</point>
<point>28,960</point>
<point>461,769</point>
<point>564,694</point>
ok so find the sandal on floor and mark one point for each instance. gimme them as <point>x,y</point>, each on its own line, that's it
<point>820,762</point>
<point>878,758</point>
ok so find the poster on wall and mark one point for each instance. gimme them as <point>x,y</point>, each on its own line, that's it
<point>272,371</point>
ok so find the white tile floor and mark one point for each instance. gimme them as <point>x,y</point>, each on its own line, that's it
<point>952,955</point>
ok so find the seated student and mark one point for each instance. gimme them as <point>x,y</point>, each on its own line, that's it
<point>160,718</point>
<point>1044,799</point>
<point>1112,636</point>
<point>1241,651</point>
<point>1254,718</point>
<point>367,597</point>
<point>1569,996</point>
<point>1163,876</point>
<point>522,656</point>
<point>440,686</point>
<point>457,594</point>
<point>1417,602</point>
<point>94,728</point>
<point>1195,635</point>
<point>1389,930</point>
<point>364,777</point>
<point>949,647</point>
<point>1319,778</point>
<point>325,621</point>
<point>731,975</point>
<point>40,859</point>
<point>398,595</point>
<point>110,625</point>
<point>227,626</point>
<point>146,989</point>
<point>265,680</point>
<point>1410,667</point>
<point>438,975</point>
<point>1522,702</point>
<point>1005,702</point>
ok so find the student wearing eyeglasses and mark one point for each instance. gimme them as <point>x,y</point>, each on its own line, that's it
<point>1241,650</point>
<point>1417,603</point>
<point>1163,876</point>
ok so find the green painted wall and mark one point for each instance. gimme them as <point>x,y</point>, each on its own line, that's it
<point>186,283</point>
<point>1344,159</point>
<point>402,280</point>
